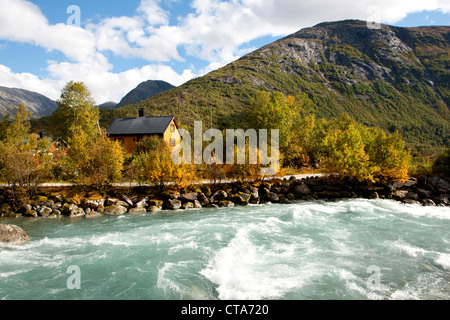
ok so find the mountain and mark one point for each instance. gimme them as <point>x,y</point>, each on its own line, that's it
<point>392,78</point>
<point>39,105</point>
<point>107,105</point>
<point>144,91</point>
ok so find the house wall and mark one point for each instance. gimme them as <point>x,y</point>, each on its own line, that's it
<point>129,142</point>
<point>172,134</point>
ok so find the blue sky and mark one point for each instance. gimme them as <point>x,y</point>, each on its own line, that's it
<point>119,44</point>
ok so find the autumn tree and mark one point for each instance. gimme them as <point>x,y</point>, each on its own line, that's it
<point>293,116</point>
<point>344,150</point>
<point>366,154</point>
<point>152,163</point>
<point>92,158</point>
<point>24,162</point>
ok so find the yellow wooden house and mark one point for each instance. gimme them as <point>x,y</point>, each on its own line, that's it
<point>129,131</point>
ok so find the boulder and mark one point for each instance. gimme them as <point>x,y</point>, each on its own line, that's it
<point>92,203</point>
<point>155,203</point>
<point>423,193</point>
<point>265,185</point>
<point>197,204</point>
<point>115,202</point>
<point>412,196</point>
<point>263,191</point>
<point>203,199</point>
<point>254,196</point>
<point>115,210</point>
<point>442,199</point>
<point>172,204</point>
<point>439,183</point>
<point>188,197</point>
<point>138,210</point>
<point>92,213</point>
<point>241,199</point>
<point>374,195</point>
<point>127,200</point>
<point>226,204</point>
<point>428,202</point>
<point>400,194</point>
<point>219,196</point>
<point>301,190</point>
<point>271,197</point>
<point>12,234</point>
<point>55,214</point>
<point>171,195</point>
<point>56,206</point>
<point>285,201</point>
<point>77,213</point>
<point>410,182</point>
<point>142,203</point>
<point>67,208</point>
<point>31,214</point>
<point>45,211</point>
<point>187,205</point>
<point>154,209</point>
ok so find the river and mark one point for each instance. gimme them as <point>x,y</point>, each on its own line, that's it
<point>351,249</point>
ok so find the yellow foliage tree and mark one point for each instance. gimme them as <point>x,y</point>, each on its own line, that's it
<point>152,163</point>
<point>24,164</point>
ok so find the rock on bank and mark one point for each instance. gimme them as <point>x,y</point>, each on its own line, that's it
<point>12,234</point>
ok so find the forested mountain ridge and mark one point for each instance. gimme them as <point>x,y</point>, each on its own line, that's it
<point>392,78</point>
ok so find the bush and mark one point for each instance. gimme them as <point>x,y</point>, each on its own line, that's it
<point>441,165</point>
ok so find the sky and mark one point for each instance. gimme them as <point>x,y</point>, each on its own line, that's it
<point>112,45</point>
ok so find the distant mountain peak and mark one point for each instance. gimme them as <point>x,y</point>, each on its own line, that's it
<point>38,104</point>
<point>144,91</point>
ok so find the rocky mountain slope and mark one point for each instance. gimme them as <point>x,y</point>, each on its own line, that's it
<point>392,78</point>
<point>39,105</point>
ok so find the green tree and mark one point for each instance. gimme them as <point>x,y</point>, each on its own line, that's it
<point>92,158</point>
<point>293,116</point>
<point>345,150</point>
<point>76,112</point>
<point>388,155</point>
<point>356,151</point>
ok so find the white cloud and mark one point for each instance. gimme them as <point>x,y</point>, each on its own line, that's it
<point>48,87</point>
<point>153,13</point>
<point>215,31</point>
<point>23,21</point>
<point>109,86</point>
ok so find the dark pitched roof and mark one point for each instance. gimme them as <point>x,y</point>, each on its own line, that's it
<point>139,126</point>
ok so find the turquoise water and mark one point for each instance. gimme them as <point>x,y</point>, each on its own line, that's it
<point>355,249</point>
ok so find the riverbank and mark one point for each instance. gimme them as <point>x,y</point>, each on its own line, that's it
<point>77,202</point>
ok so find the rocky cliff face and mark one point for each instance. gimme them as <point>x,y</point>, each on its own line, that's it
<point>39,105</point>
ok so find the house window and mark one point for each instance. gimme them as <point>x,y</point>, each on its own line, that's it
<point>172,142</point>
<point>172,128</point>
